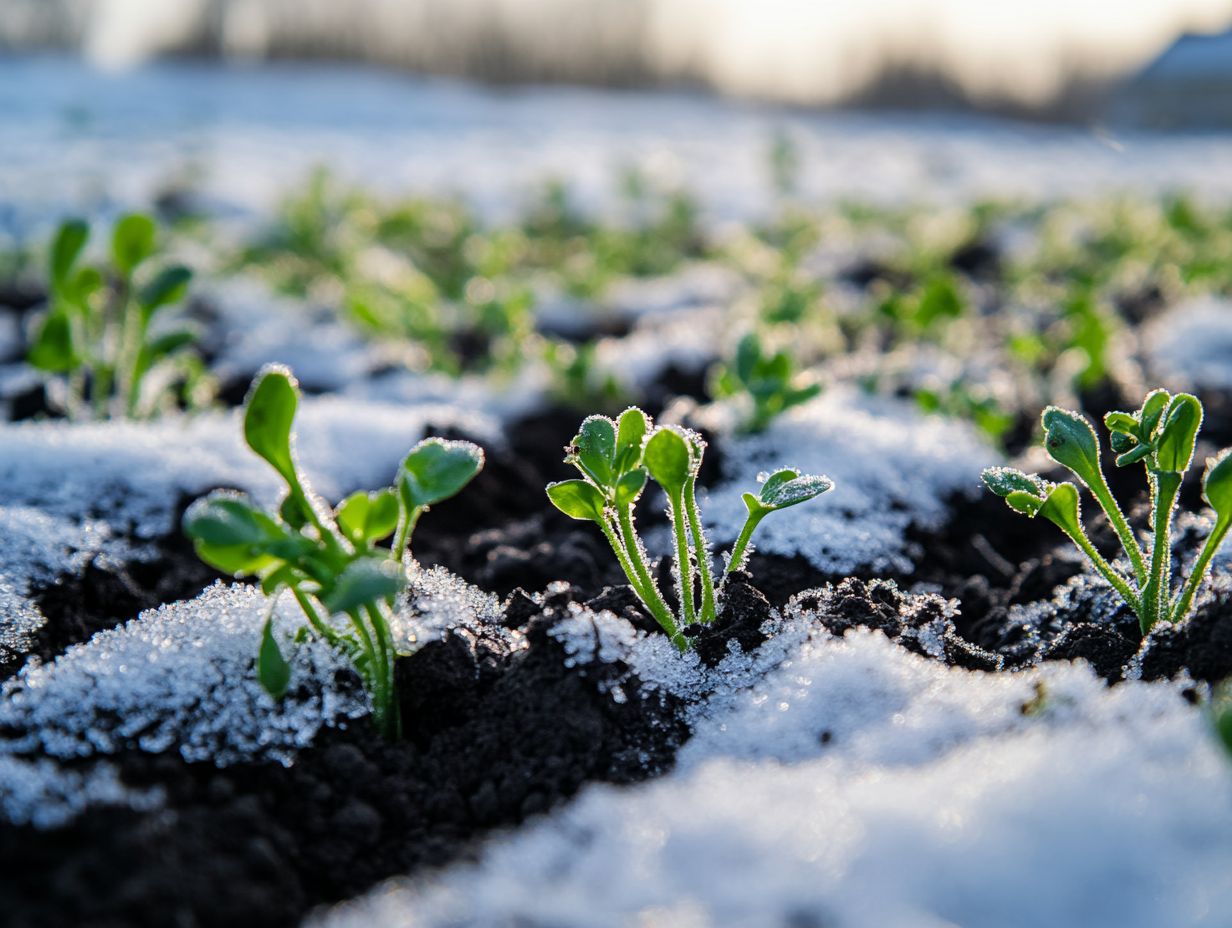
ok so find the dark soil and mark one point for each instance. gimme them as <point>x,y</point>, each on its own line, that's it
<point>493,735</point>
<point>106,594</point>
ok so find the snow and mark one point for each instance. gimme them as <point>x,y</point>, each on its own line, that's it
<point>135,473</point>
<point>181,678</point>
<point>892,468</point>
<point>45,795</point>
<point>860,785</point>
<point>1190,346</point>
<point>265,328</point>
<point>687,339</point>
<point>37,549</point>
<point>73,139</point>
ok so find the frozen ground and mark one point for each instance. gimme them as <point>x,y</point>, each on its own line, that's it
<point>859,786</point>
<point>74,139</point>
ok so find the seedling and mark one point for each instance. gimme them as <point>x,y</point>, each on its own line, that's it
<point>616,459</point>
<point>767,385</point>
<point>328,560</point>
<point>1161,437</point>
<point>100,331</point>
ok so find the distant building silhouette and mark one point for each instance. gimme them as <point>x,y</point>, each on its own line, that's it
<point>1189,86</point>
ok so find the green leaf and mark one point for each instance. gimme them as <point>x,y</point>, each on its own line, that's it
<point>1070,441</point>
<point>629,487</point>
<point>437,469</point>
<point>577,499</point>
<point>1217,484</point>
<point>1152,409</point>
<point>1124,442</point>
<point>748,356</point>
<point>294,512</point>
<point>1028,504</point>
<point>232,535</point>
<point>77,290</point>
<point>631,429</point>
<point>594,448</point>
<point>132,241</point>
<point>1006,480</point>
<point>1179,432</point>
<point>788,488</point>
<point>268,414</point>
<point>167,343</point>
<point>229,519</point>
<point>368,517</point>
<point>1133,456</point>
<point>168,287</point>
<point>70,239</point>
<point>53,346</point>
<point>1121,422</point>
<point>365,582</point>
<point>272,668</point>
<point>669,459</point>
<point>1061,508</point>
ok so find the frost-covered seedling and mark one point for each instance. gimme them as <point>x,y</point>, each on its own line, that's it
<point>107,331</point>
<point>616,459</point>
<point>328,560</point>
<point>767,384</point>
<point>1161,437</point>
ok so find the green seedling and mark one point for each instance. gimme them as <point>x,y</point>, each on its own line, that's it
<point>767,385</point>
<point>616,460</point>
<point>329,560</point>
<point>961,400</point>
<point>107,330</point>
<point>1160,436</point>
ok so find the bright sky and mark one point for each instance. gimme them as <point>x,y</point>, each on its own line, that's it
<point>1020,50</point>
<point>810,50</point>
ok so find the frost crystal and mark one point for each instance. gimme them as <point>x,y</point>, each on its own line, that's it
<point>180,678</point>
<point>37,548</point>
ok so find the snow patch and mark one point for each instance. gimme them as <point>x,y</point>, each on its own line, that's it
<point>1190,346</point>
<point>135,473</point>
<point>860,785</point>
<point>892,467</point>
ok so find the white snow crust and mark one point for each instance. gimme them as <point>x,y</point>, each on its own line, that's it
<point>1190,346</point>
<point>181,678</point>
<point>36,549</point>
<point>892,468</point>
<point>860,786</point>
<point>136,472</point>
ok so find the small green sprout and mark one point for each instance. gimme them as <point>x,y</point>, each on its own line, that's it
<point>328,560</point>
<point>767,385</point>
<point>104,330</point>
<point>1160,436</point>
<point>616,459</point>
